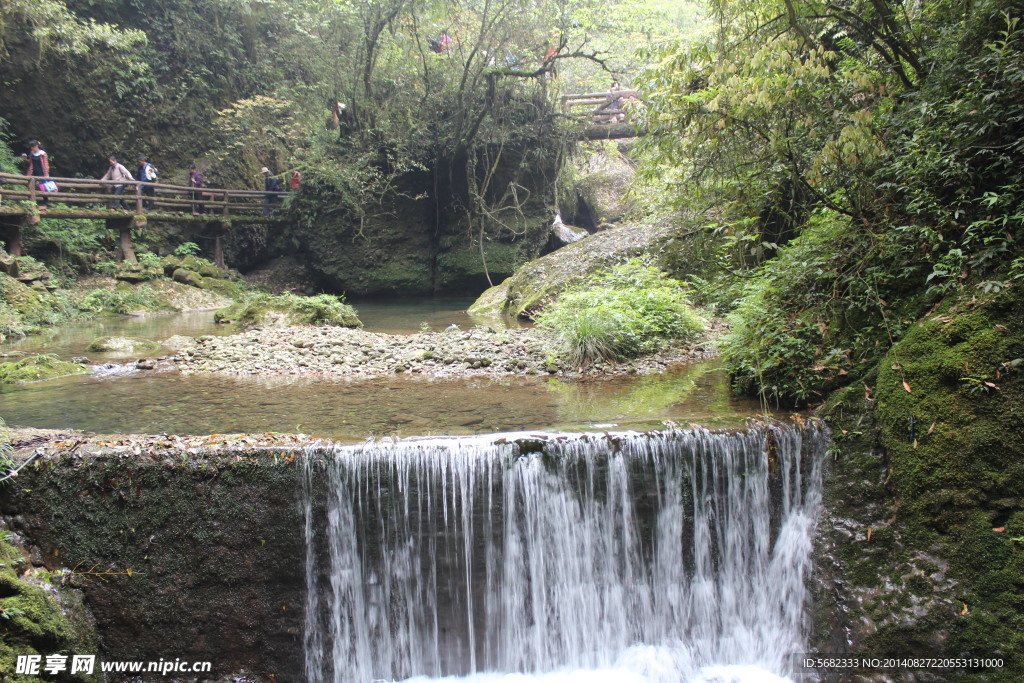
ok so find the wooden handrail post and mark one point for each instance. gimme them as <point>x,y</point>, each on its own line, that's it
<point>138,204</point>
<point>227,199</point>
<point>31,188</point>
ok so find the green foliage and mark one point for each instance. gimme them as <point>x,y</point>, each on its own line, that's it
<point>863,163</point>
<point>59,239</point>
<point>187,249</point>
<point>823,311</point>
<point>121,300</point>
<point>148,259</point>
<point>287,309</point>
<point>629,310</point>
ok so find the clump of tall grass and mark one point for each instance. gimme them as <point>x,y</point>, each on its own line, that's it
<point>629,310</point>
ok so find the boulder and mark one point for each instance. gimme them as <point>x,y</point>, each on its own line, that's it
<point>188,277</point>
<point>122,344</point>
<point>37,367</point>
<point>567,234</point>
<point>8,264</point>
<point>541,280</point>
<point>136,272</point>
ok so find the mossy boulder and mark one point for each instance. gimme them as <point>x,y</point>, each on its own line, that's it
<point>204,267</point>
<point>33,620</point>
<point>38,367</point>
<point>31,271</point>
<point>285,310</point>
<point>189,277</point>
<point>538,282</point>
<point>491,302</point>
<point>605,178</point>
<point>122,344</point>
<point>8,264</point>
<point>137,272</point>
<point>924,518</point>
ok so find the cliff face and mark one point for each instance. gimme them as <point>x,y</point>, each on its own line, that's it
<point>921,549</point>
<point>423,237</point>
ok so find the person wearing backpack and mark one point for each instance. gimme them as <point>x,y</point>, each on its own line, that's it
<point>39,166</point>
<point>271,186</point>
<point>148,174</point>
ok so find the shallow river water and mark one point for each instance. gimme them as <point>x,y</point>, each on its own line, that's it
<point>153,402</point>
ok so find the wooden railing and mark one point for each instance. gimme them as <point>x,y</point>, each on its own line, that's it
<point>93,195</point>
<point>599,107</point>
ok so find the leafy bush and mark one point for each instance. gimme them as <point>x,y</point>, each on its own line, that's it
<point>150,260</point>
<point>187,249</point>
<point>819,315</point>
<point>632,309</point>
<point>120,301</point>
<point>289,309</point>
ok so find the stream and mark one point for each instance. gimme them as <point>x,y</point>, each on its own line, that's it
<point>348,409</point>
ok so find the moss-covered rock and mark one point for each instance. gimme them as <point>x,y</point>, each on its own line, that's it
<point>35,621</point>
<point>137,272</point>
<point>189,277</point>
<point>540,281</point>
<point>923,538</point>
<point>491,302</point>
<point>38,367</point>
<point>25,309</point>
<point>605,178</point>
<point>284,310</point>
<point>122,344</point>
<point>204,267</point>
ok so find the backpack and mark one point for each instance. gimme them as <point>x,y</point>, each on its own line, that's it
<point>151,172</point>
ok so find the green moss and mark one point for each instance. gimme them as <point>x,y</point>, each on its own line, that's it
<point>39,367</point>
<point>103,344</point>
<point>32,622</point>
<point>288,309</point>
<point>491,302</point>
<point>24,309</point>
<point>928,473</point>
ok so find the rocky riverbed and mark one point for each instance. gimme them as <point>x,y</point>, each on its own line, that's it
<point>335,351</point>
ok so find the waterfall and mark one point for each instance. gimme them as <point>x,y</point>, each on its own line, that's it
<point>654,557</point>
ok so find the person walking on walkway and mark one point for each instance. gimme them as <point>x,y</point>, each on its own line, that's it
<point>39,167</point>
<point>195,181</point>
<point>271,186</point>
<point>119,174</point>
<point>148,174</point>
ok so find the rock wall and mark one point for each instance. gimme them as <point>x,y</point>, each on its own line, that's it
<point>213,544</point>
<point>420,239</point>
<point>921,549</point>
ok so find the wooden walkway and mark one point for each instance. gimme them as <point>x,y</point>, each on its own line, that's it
<point>606,115</point>
<point>84,198</point>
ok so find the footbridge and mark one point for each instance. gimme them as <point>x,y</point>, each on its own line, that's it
<point>24,203</point>
<point>604,115</point>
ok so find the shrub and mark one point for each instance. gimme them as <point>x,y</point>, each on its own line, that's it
<point>632,309</point>
<point>187,249</point>
<point>289,309</point>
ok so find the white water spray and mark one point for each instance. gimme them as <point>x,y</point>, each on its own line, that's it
<point>647,558</point>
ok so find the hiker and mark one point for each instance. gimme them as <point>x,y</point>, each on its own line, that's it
<point>271,185</point>
<point>296,179</point>
<point>147,173</point>
<point>39,167</point>
<point>616,103</point>
<point>119,174</point>
<point>444,41</point>
<point>195,181</point>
